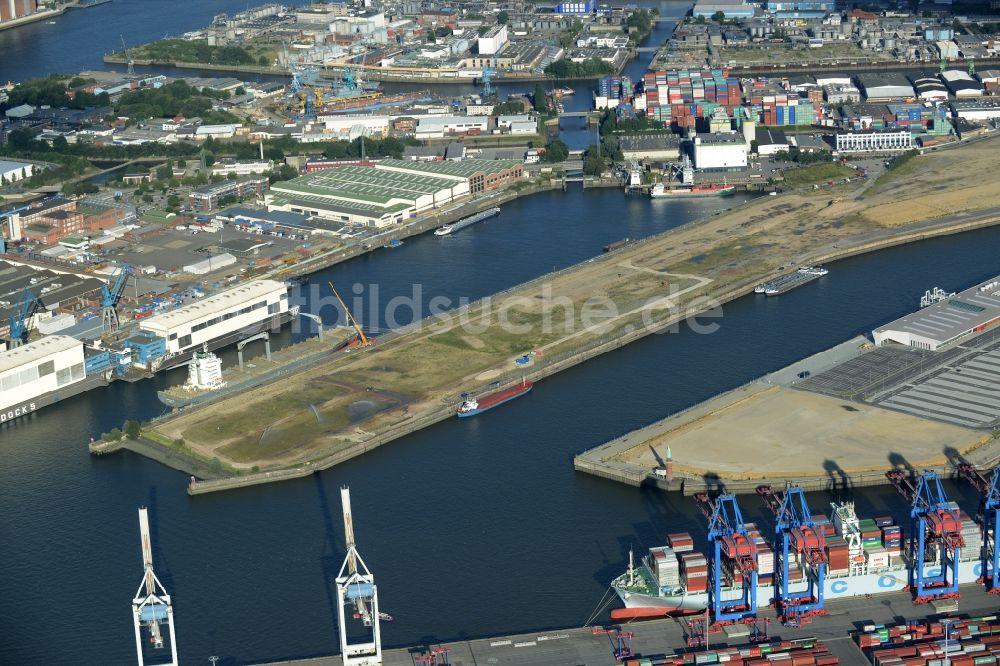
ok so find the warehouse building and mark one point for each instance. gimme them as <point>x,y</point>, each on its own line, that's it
<point>246,308</point>
<point>929,87</point>
<point>650,147</point>
<point>720,152</point>
<point>961,84</point>
<point>885,87</point>
<point>29,372</point>
<point>392,191</point>
<point>214,195</point>
<point>11,172</point>
<point>947,321</point>
<point>976,110</point>
<point>874,141</point>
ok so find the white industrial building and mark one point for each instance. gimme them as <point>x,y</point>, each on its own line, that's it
<point>946,321</point>
<point>493,41</point>
<point>246,306</point>
<point>210,264</point>
<point>435,127</point>
<point>11,172</point>
<point>986,108</point>
<point>720,151</point>
<point>344,124</point>
<point>885,86</point>
<point>225,167</point>
<point>874,141</point>
<point>32,370</point>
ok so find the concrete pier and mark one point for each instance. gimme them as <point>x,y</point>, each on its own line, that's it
<point>579,646</point>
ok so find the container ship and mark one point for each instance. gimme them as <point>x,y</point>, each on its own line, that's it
<point>467,222</point>
<point>659,191</point>
<point>865,558</point>
<point>474,406</point>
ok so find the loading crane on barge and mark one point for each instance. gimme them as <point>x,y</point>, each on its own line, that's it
<point>361,340</point>
<point>989,493</point>
<point>797,532</point>
<point>356,586</point>
<point>728,538</point>
<point>934,525</point>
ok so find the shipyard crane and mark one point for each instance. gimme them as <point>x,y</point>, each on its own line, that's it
<point>151,607</point>
<point>362,340</point>
<point>797,533</point>
<point>129,58</point>
<point>989,493</point>
<point>21,318</point>
<point>728,538</point>
<point>109,299</point>
<point>934,526</point>
<point>356,586</point>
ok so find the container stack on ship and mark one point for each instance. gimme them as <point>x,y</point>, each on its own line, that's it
<point>866,556</point>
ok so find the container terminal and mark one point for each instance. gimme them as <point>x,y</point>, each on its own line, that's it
<point>760,600</point>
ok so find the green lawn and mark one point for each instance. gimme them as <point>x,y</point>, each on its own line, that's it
<point>817,173</point>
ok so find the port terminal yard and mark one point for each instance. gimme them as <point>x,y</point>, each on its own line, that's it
<point>668,636</point>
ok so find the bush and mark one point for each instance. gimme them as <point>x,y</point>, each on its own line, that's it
<point>132,429</point>
<point>114,436</point>
<point>179,443</point>
<point>215,466</point>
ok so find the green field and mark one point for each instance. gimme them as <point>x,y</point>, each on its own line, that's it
<point>817,173</point>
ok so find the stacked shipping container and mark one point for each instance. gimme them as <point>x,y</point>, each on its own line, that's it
<point>680,97</point>
<point>803,652</point>
<point>921,643</point>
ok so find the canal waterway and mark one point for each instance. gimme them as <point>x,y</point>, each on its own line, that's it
<point>472,527</point>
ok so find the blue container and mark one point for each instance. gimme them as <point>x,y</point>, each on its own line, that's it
<point>779,114</point>
<point>791,115</point>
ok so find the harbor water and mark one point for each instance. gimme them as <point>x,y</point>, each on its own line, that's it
<point>473,526</point>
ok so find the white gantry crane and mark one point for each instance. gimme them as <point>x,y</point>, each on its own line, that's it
<point>151,607</point>
<point>356,586</point>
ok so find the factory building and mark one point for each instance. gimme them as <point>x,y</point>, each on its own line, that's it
<point>651,147</point>
<point>874,141</point>
<point>30,373</point>
<point>493,41</point>
<point>12,9</point>
<point>720,152</point>
<point>221,318</point>
<point>884,87</point>
<point>947,321</point>
<point>392,191</point>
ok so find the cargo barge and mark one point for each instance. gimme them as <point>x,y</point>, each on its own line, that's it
<point>474,406</point>
<point>865,558</point>
<point>786,283</point>
<point>658,190</point>
<point>468,221</point>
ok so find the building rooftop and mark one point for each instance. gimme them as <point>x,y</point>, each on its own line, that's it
<point>277,216</point>
<point>953,317</point>
<point>35,351</point>
<point>462,169</point>
<point>211,305</point>
<point>364,184</point>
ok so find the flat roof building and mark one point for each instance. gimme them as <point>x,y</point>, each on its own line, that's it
<point>884,86</point>
<point>247,306</point>
<point>947,321</point>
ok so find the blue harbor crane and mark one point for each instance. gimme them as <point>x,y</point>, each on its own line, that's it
<point>989,493</point>
<point>731,546</point>
<point>797,534</point>
<point>488,73</point>
<point>935,536</point>
<point>22,316</point>
<point>109,299</point>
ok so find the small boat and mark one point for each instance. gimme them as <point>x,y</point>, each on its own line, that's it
<point>657,191</point>
<point>813,270</point>
<point>385,617</point>
<point>473,406</point>
<point>759,289</point>
<point>395,242</point>
<point>444,231</point>
<point>564,91</point>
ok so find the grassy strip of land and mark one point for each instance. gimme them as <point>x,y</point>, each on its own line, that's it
<point>349,401</point>
<point>816,173</point>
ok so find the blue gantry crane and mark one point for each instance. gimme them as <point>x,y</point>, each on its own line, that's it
<point>935,536</point>
<point>797,534</point>
<point>109,299</point>
<point>22,317</point>
<point>989,493</point>
<point>732,549</point>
